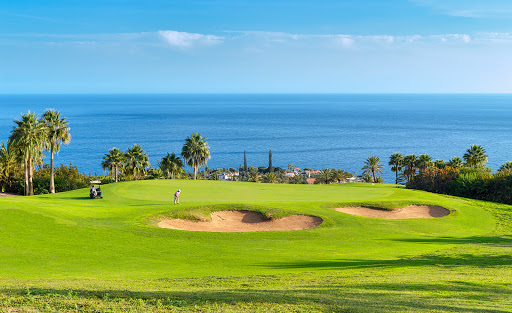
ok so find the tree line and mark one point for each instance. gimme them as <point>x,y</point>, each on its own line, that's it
<point>134,163</point>
<point>467,177</point>
<point>30,136</point>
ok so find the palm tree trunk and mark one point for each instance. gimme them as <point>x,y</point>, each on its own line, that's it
<point>26,178</point>
<point>52,183</point>
<point>396,174</point>
<point>30,176</point>
<point>373,173</point>
<point>195,171</point>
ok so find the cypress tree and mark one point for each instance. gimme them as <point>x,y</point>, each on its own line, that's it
<point>245,162</point>
<point>270,168</point>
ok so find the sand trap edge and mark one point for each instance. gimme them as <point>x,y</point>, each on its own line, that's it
<point>407,212</point>
<point>242,221</point>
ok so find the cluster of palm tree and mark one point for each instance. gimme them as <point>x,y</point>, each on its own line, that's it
<point>132,164</point>
<point>328,176</point>
<point>407,167</point>
<point>29,138</point>
<point>171,166</point>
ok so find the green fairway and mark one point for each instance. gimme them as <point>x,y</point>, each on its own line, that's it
<point>59,241</point>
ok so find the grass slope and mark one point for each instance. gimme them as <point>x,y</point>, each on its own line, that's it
<point>69,253</point>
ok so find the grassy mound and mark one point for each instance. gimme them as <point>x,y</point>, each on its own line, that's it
<point>69,250</point>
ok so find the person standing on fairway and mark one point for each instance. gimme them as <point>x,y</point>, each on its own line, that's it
<point>177,197</point>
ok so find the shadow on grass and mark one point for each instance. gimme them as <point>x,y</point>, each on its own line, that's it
<point>440,260</point>
<point>83,198</point>
<point>451,296</point>
<point>501,241</point>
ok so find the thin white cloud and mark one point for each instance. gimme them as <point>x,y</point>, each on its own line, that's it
<point>470,8</point>
<point>256,40</point>
<point>349,41</point>
<point>187,40</point>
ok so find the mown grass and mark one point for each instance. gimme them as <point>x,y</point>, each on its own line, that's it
<point>66,252</point>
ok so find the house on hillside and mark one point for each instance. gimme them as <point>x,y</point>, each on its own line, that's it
<point>228,176</point>
<point>313,172</point>
<point>355,179</point>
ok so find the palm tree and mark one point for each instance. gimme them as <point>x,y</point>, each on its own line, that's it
<point>410,162</point>
<point>27,138</point>
<point>373,165</point>
<point>271,178</point>
<point>396,161</point>
<point>8,165</point>
<point>171,166</point>
<point>424,162</point>
<point>440,164</point>
<point>137,162</point>
<point>255,177</point>
<point>113,161</point>
<point>156,173</point>
<point>475,156</point>
<point>506,167</point>
<point>57,132</point>
<point>324,177</point>
<point>339,175</point>
<point>455,162</point>
<point>196,152</point>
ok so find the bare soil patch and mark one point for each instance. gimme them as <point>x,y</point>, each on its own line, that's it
<point>7,194</point>
<point>410,211</point>
<point>243,221</point>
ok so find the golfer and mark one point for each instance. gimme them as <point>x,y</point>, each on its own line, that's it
<point>177,197</point>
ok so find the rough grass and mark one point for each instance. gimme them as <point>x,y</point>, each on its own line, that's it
<point>68,253</point>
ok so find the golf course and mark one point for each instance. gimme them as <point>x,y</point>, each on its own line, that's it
<point>66,252</point>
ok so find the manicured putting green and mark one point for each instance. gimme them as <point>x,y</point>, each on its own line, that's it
<point>68,235</point>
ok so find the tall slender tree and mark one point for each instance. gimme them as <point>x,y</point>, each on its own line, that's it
<point>56,131</point>
<point>270,168</point>
<point>27,137</point>
<point>196,152</point>
<point>372,166</point>
<point>396,161</point>
<point>113,161</point>
<point>245,162</point>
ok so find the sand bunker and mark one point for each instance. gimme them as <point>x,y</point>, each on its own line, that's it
<point>410,211</point>
<point>243,221</point>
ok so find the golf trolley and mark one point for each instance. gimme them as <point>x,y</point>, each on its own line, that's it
<point>95,190</point>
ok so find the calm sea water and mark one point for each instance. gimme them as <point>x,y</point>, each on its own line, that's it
<point>315,131</point>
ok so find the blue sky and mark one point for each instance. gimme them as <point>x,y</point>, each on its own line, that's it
<point>187,46</point>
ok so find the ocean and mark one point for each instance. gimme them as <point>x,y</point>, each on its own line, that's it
<point>307,130</point>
